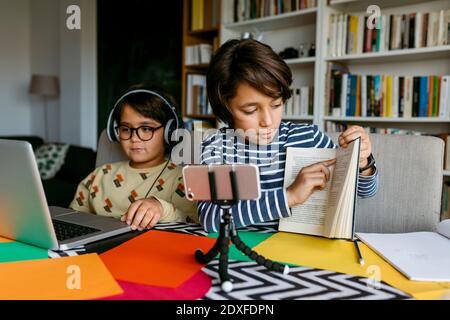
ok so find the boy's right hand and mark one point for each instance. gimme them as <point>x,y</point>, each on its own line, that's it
<point>309,179</point>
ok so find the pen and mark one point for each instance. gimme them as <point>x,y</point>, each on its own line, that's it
<point>361,259</point>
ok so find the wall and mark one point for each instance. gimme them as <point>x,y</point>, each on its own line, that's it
<point>34,39</point>
<point>78,74</point>
<point>15,67</point>
<point>45,47</point>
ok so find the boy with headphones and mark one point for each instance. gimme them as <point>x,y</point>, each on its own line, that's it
<point>148,188</point>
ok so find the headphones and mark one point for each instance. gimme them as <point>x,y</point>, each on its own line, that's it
<point>172,125</point>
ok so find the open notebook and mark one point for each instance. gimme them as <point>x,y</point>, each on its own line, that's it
<point>421,256</point>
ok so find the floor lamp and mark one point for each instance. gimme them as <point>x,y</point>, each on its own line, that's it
<point>47,87</point>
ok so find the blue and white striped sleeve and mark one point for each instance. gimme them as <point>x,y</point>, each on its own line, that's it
<point>367,185</point>
<point>271,206</point>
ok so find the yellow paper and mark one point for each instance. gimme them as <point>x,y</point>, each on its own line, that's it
<point>4,240</point>
<point>340,256</point>
<point>80,277</point>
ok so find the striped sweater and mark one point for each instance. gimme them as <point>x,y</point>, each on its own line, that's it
<point>226,148</point>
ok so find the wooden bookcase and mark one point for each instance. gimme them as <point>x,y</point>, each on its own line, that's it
<point>209,36</point>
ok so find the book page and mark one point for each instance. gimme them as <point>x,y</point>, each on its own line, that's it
<point>309,217</point>
<point>342,192</point>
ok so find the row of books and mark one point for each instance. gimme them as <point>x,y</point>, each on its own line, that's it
<point>196,99</point>
<point>301,102</point>
<point>331,126</point>
<point>198,54</point>
<point>386,95</point>
<point>253,9</point>
<point>204,14</point>
<point>350,34</point>
<point>197,125</point>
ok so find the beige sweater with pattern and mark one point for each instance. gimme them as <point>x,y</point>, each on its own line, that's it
<point>110,190</point>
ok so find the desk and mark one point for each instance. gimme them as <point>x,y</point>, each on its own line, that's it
<point>251,281</point>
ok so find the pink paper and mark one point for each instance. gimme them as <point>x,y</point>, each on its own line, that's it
<point>193,289</point>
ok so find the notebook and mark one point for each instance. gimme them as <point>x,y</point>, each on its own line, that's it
<point>420,256</point>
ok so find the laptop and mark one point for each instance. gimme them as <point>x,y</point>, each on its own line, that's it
<point>25,215</point>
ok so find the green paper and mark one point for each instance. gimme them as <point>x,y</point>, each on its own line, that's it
<point>16,251</point>
<point>251,239</point>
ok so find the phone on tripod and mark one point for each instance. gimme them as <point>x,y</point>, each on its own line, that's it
<point>197,182</point>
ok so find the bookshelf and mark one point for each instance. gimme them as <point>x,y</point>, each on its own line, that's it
<point>291,28</point>
<point>313,24</point>
<point>202,28</point>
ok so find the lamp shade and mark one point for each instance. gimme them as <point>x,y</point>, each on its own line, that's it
<point>46,86</point>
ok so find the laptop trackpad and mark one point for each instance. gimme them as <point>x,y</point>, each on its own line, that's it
<point>92,220</point>
<point>58,211</point>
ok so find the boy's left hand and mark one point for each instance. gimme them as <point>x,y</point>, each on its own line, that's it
<point>353,133</point>
<point>143,214</point>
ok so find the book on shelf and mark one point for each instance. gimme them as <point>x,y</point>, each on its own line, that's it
<point>244,10</point>
<point>419,256</point>
<point>204,14</point>
<point>198,54</point>
<point>198,125</point>
<point>301,102</point>
<point>196,99</point>
<point>348,34</point>
<point>329,212</point>
<point>387,96</point>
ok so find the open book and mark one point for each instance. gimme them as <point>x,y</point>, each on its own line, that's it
<point>420,256</point>
<point>328,212</point>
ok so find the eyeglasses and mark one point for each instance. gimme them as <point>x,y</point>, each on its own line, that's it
<point>144,133</point>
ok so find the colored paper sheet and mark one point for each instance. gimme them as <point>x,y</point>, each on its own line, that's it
<point>4,240</point>
<point>251,239</point>
<point>17,251</point>
<point>193,289</point>
<point>80,277</point>
<point>340,256</point>
<point>157,258</point>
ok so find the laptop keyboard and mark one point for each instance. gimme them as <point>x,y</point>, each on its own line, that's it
<point>66,230</point>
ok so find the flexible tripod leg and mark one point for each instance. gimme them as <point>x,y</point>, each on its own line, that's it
<point>259,259</point>
<point>205,258</point>
<point>227,286</point>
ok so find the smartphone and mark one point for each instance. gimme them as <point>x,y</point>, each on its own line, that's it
<point>196,181</point>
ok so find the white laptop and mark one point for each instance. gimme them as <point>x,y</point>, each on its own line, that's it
<point>25,215</point>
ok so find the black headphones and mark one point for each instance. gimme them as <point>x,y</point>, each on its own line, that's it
<point>171,125</point>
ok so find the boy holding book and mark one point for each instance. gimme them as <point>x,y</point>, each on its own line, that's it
<point>248,85</point>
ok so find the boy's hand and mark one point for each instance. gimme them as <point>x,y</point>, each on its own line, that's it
<point>310,178</point>
<point>353,133</point>
<point>143,214</point>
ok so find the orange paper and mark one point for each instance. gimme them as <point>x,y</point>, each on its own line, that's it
<point>80,277</point>
<point>5,240</point>
<point>157,258</point>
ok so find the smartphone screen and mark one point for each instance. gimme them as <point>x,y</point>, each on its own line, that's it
<point>197,182</point>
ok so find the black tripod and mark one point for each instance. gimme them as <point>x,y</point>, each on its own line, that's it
<point>228,232</point>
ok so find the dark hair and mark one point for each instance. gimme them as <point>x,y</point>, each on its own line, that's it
<point>248,61</point>
<point>146,104</point>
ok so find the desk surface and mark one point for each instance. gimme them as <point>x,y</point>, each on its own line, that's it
<point>251,281</point>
